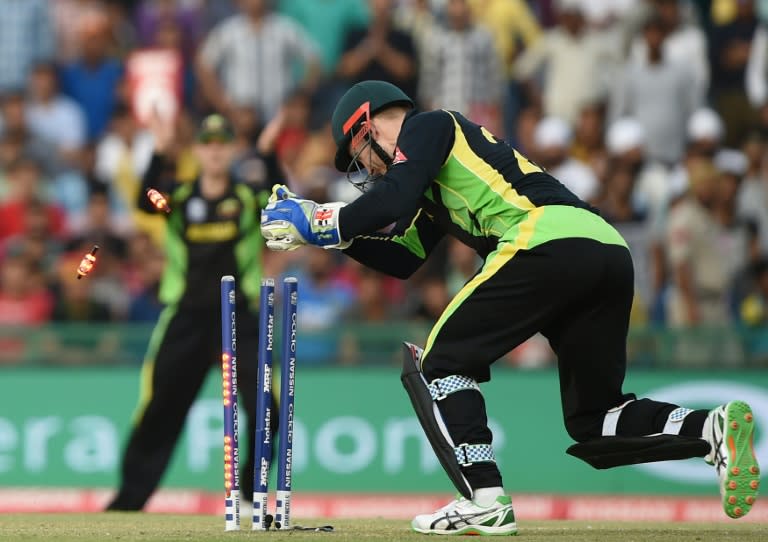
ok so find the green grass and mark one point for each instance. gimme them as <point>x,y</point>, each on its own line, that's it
<point>127,527</point>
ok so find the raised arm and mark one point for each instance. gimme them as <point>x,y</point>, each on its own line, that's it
<point>160,174</point>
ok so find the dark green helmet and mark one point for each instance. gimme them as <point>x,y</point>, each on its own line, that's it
<point>357,105</point>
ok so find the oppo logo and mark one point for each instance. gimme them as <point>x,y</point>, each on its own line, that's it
<point>708,394</point>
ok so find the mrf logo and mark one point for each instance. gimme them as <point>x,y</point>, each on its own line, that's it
<point>264,472</point>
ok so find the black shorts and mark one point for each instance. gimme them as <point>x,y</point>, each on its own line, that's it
<point>577,292</point>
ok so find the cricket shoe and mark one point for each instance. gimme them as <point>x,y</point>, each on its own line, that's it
<point>729,429</point>
<point>464,517</point>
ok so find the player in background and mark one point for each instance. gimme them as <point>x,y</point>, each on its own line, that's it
<point>551,265</point>
<point>212,230</point>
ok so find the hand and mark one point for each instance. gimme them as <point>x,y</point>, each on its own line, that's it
<point>288,222</point>
<point>163,130</point>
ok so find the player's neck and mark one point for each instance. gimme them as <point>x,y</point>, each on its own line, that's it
<point>214,186</point>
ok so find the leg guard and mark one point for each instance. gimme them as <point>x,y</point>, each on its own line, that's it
<point>608,452</point>
<point>424,397</point>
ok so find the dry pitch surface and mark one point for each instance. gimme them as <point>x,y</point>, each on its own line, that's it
<point>151,527</point>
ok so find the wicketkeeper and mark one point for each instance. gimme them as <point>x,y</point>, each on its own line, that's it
<point>551,265</point>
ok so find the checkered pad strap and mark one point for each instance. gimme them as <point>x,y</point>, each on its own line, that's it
<point>440,388</point>
<point>466,454</point>
<point>675,421</point>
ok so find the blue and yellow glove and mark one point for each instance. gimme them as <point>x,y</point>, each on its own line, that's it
<point>288,222</point>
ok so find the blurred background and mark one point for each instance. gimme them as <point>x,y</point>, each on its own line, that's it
<point>655,111</point>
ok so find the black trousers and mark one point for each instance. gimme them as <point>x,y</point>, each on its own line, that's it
<point>184,346</point>
<point>576,292</point>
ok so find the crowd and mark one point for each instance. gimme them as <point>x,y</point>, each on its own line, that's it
<point>654,111</point>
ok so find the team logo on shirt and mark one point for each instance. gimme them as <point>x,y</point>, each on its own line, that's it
<point>228,208</point>
<point>399,157</point>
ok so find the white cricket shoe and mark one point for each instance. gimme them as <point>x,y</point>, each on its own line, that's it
<point>729,429</point>
<point>464,517</point>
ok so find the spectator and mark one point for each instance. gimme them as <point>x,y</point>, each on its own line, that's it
<point>615,201</point>
<point>685,42</point>
<point>326,23</point>
<point>514,28</point>
<point>432,299</point>
<point>24,301</point>
<point>739,233</point>
<point>626,142</point>
<point>169,36</point>
<point>35,242</point>
<point>93,79</point>
<point>729,53</point>
<point>418,19</point>
<point>26,38</point>
<point>588,141</point>
<point>753,196</point>
<point>252,165</point>
<point>294,130</point>
<point>661,93</point>
<point>255,53</point>
<point>145,304</point>
<point>65,17</point>
<point>699,274</point>
<point>53,116</point>
<point>323,304</point>
<point>462,71</point>
<point>24,189</point>
<point>753,309</point>
<point>371,301</point>
<point>380,51</point>
<point>122,157</point>
<point>552,141</point>
<point>13,121</point>
<point>153,16</point>
<point>97,225</point>
<point>574,61</point>
<point>704,133</point>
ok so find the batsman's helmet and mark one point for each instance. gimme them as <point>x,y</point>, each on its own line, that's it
<point>354,110</point>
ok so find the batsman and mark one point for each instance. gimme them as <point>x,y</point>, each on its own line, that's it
<point>551,264</point>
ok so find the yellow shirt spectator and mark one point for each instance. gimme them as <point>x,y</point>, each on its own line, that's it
<point>511,22</point>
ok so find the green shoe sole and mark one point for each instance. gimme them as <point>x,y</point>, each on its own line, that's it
<point>474,530</point>
<point>742,479</point>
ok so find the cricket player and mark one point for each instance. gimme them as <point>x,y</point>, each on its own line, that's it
<point>212,230</point>
<point>551,265</point>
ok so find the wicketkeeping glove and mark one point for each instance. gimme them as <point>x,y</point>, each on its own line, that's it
<point>288,222</point>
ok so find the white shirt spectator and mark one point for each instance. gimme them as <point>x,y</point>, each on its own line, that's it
<point>686,45</point>
<point>574,69</point>
<point>662,97</point>
<point>256,65</point>
<point>61,122</point>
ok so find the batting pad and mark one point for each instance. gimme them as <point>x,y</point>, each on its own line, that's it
<point>421,395</point>
<point>608,452</point>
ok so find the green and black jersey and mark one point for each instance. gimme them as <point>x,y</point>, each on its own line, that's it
<point>207,238</point>
<point>451,176</point>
